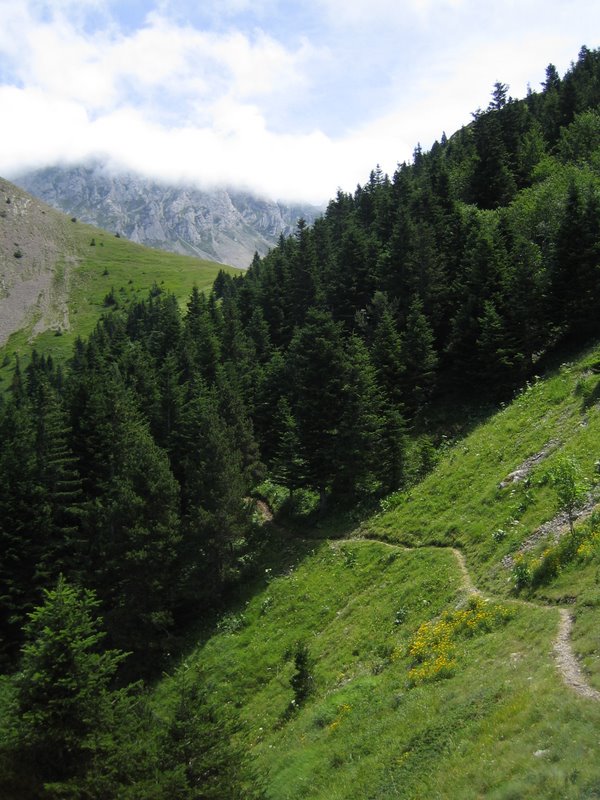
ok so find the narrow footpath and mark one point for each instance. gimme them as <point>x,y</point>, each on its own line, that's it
<point>566,660</point>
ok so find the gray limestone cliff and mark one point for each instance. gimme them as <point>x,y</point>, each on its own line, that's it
<point>218,224</point>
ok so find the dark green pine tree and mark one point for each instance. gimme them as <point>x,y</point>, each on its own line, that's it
<point>258,331</point>
<point>499,96</point>
<point>526,290</point>
<point>268,391</point>
<point>482,269</point>
<point>391,457</point>
<point>352,282</point>
<point>131,532</point>
<point>215,513</point>
<point>549,111</point>
<point>171,399</point>
<point>396,272</point>
<point>576,269</point>
<point>198,744</point>
<point>60,483</point>
<point>237,348</point>
<point>275,298</point>
<point>23,517</point>
<point>40,498</point>
<point>426,272</point>
<point>493,182</point>
<point>234,411</point>
<point>315,375</point>
<point>302,681</point>
<point>139,371</point>
<point>360,425</point>
<point>303,280</point>
<point>201,345</point>
<point>530,151</point>
<point>418,357</point>
<point>65,712</point>
<point>287,467</point>
<point>259,340</point>
<point>497,352</point>
<point>17,385</point>
<point>166,332</point>
<point>387,357</point>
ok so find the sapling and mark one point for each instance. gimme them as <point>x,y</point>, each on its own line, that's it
<point>570,487</point>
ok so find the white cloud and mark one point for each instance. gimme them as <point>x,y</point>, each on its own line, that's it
<point>98,70</point>
<point>237,150</point>
<point>382,13</point>
<point>180,102</point>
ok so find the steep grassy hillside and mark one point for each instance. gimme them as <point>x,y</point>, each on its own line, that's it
<point>55,275</point>
<point>421,687</point>
<point>509,528</point>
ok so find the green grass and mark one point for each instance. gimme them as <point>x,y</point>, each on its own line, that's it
<point>366,732</point>
<point>503,724</point>
<point>460,502</point>
<point>112,263</point>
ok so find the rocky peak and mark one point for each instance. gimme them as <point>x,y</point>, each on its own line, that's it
<point>218,224</point>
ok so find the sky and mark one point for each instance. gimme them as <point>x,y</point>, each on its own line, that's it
<point>292,100</point>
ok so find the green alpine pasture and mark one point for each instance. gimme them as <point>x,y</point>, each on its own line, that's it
<point>417,688</point>
<point>105,263</point>
<point>501,724</point>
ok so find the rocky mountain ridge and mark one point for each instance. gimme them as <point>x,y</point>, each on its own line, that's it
<point>218,224</point>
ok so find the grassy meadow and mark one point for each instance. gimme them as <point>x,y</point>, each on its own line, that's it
<point>417,689</point>
<point>497,723</point>
<point>110,263</point>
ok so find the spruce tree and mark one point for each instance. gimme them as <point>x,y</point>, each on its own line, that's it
<point>131,539</point>
<point>493,182</point>
<point>23,518</point>
<point>214,511</point>
<point>577,263</point>
<point>388,358</point>
<point>64,709</point>
<point>316,374</point>
<point>418,357</point>
<point>287,466</point>
<point>360,424</point>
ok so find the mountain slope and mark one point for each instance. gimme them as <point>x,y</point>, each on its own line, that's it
<point>433,675</point>
<point>55,274</point>
<point>37,253</point>
<point>220,225</point>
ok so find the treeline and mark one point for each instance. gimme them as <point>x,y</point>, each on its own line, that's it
<point>124,515</point>
<point>129,472</point>
<point>452,279</point>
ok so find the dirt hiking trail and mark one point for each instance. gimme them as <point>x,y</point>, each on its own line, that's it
<point>566,660</point>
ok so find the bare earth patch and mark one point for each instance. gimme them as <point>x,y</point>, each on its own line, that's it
<point>37,255</point>
<point>568,666</point>
<point>523,470</point>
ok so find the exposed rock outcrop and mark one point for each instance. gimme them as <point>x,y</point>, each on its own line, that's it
<point>218,224</point>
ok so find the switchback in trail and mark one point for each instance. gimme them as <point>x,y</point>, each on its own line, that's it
<point>566,661</point>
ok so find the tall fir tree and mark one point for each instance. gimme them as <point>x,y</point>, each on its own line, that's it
<point>64,709</point>
<point>316,374</point>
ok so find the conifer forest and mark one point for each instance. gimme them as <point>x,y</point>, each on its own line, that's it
<point>132,476</point>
